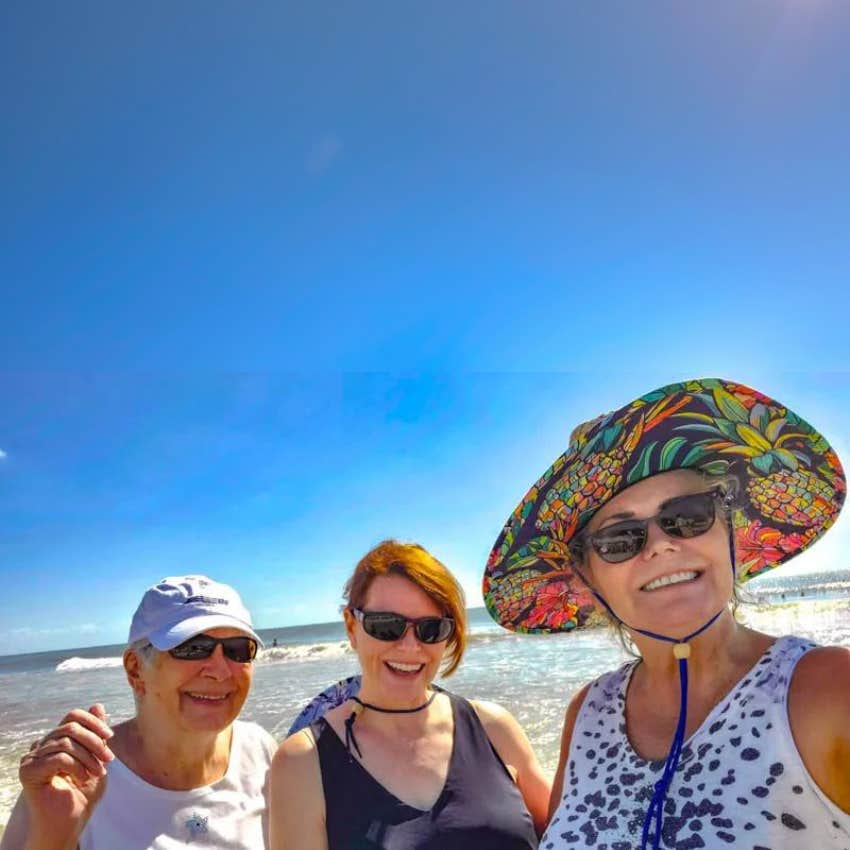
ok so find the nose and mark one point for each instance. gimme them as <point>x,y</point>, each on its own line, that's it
<point>409,637</point>
<point>657,542</point>
<point>216,666</point>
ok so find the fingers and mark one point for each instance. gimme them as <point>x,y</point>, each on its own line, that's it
<point>79,746</point>
<point>93,720</point>
<point>42,767</point>
<point>76,747</point>
<point>98,711</point>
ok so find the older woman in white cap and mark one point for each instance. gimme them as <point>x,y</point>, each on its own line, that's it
<point>183,769</point>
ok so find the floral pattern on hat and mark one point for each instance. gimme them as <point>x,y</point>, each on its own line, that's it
<point>793,487</point>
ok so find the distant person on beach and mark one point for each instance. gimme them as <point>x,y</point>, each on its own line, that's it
<point>649,519</point>
<point>405,765</point>
<point>183,770</point>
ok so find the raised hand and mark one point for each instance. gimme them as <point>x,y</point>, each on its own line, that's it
<point>63,776</point>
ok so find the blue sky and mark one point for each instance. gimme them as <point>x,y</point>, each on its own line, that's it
<point>279,282</point>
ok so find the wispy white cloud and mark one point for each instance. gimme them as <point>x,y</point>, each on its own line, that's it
<point>323,154</point>
<point>29,631</point>
<point>3,454</point>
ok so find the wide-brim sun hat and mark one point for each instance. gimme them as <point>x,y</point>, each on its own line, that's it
<point>792,489</point>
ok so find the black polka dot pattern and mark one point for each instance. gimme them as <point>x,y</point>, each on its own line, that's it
<point>740,782</point>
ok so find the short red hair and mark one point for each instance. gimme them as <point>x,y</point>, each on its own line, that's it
<point>418,565</point>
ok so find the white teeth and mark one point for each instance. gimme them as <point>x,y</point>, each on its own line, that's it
<point>208,697</point>
<point>673,578</point>
<point>403,668</point>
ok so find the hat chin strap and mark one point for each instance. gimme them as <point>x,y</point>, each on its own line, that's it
<point>681,652</point>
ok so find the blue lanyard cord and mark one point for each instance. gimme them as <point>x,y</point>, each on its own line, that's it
<point>655,812</point>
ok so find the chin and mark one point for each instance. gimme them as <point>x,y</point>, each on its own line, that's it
<point>194,724</point>
<point>684,620</point>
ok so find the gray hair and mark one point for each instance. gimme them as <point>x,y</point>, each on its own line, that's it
<point>145,651</point>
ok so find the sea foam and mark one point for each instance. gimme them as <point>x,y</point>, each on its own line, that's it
<point>75,664</point>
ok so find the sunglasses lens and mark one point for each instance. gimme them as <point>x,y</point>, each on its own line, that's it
<point>619,542</point>
<point>384,626</point>
<point>689,516</point>
<point>240,649</point>
<point>434,629</point>
<point>199,646</point>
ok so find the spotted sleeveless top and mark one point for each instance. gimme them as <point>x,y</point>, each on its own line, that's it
<point>740,782</point>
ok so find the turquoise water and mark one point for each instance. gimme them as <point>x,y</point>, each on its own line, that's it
<point>533,676</point>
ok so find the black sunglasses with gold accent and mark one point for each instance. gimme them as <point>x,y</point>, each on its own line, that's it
<point>683,516</point>
<point>389,626</point>
<point>241,649</point>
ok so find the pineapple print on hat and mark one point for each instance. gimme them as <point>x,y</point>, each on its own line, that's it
<point>780,447</point>
<point>793,483</point>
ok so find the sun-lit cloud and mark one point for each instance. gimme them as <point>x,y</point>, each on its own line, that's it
<point>3,455</point>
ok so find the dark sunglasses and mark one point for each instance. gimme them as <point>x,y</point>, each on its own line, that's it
<point>683,516</point>
<point>240,649</point>
<point>385,625</point>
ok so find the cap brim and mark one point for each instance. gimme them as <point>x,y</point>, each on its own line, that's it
<point>165,639</point>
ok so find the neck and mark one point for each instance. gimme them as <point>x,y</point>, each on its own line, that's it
<point>172,759</point>
<point>717,655</point>
<point>393,702</point>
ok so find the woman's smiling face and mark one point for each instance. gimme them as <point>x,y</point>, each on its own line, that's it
<point>674,584</point>
<point>201,695</point>
<point>399,670</point>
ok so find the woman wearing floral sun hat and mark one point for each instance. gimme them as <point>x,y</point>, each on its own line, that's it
<point>648,519</point>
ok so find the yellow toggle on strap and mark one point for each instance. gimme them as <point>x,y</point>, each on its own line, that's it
<point>682,650</point>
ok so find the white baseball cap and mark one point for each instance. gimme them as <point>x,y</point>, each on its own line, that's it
<point>181,607</point>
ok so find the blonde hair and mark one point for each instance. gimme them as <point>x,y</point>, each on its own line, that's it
<point>417,565</point>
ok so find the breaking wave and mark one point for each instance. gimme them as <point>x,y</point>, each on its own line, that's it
<point>75,665</point>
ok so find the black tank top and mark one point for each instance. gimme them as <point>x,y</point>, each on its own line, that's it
<point>479,808</point>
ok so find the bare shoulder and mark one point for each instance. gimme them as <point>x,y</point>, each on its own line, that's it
<point>505,733</point>
<point>297,811</point>
<point>491,712</point>
<point>501,726</point>
<point>296,762</point>
<point>818,707</point>
<point>295,772</point>
<point>296,749</point>
<point>820,686</point>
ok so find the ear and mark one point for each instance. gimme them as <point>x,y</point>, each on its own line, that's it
<point>350,627</point>
<point>133,669</point>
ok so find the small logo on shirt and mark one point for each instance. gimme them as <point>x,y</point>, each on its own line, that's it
<point>196,826</point>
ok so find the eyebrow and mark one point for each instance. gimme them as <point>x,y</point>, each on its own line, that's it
<point>621,515</point>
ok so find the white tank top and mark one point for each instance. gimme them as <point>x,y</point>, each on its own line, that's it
<point>232,813</point>
<point>740,782</point>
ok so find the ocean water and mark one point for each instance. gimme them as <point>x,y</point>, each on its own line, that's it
<point>533,676</point>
